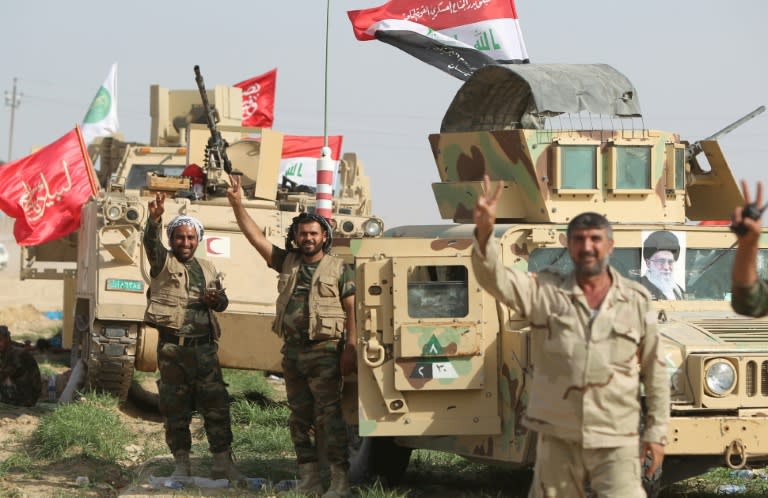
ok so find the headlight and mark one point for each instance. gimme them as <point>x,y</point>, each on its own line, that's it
<point>719,377</point>
<point>373,227</point>
<point>113,212</point>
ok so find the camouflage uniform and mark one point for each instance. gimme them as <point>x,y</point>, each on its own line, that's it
<point>751,300</point>
<point>587,369</point>
<point>20,381</point>
<point>311,369</point>
<point>190,376</point>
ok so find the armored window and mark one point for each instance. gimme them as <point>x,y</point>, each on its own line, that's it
<point>625,260</point>
<point>438,292</point>
<point>576,167</point>
<point>632,168</point>
<point>679,168</point>
<point>674,167</point>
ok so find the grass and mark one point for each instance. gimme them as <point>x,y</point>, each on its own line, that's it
<point>89,434</point>
<point>88,427</point>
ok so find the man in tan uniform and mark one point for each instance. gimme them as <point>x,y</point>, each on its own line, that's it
<point>593,341</point>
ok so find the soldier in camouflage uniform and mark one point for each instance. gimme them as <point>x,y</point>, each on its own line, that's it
<point>749,294</point>
<point>183,294</point>
<point>20,381</point>
<point>315,308</point>
<point>593,341</point>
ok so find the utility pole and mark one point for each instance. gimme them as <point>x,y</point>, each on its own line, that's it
<point>13,101</point>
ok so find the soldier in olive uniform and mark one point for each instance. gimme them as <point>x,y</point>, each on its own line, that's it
<point>749,294</point>
<point>316,319</point>
<point>183,294</point>
<point>593,341</point>
<point>20,381</point>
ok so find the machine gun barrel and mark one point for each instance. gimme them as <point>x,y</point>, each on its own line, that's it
<point>217,146</point>
<point>695,148</point>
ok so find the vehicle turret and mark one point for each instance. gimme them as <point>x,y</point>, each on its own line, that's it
<point>564,138</point>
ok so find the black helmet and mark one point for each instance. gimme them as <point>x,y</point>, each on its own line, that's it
<point>290,241</point>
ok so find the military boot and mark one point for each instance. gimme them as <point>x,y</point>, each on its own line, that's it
<point>183,467</point>
<point>309,479</point>
<point>224,468</point>
<point>339,487</point>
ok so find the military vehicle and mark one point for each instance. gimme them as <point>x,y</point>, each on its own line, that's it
<point>105,269</point>
<point>443,366</point>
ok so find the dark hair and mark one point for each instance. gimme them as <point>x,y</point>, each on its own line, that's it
<point>303,218</point>
<point>4,331</point>
<point>589,220</point>
<point>661,240</point>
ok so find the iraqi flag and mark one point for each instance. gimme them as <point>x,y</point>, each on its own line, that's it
<point>259,99</point>
<point>300,155</point>
<point>458,37</point>
<point>46,190</point>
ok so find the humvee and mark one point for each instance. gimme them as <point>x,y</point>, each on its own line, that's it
<point>105,269</point>
<point>443,366</point>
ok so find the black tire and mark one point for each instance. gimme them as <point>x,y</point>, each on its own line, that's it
<point>377,458</point>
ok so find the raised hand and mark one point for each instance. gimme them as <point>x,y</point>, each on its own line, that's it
<point>157,207</point>
<point>485,210</point>
<point>745,221</point>
<point>234,194</point>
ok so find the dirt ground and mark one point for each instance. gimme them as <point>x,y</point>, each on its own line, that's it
<point>22,308</point>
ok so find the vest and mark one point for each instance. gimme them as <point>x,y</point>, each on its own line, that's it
<point>326,315</point>
<point>169,294</point>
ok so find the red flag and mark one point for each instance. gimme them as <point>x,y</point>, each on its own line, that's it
<point>259,99</point>
<point>457,37</point>
<point>300,155</point>
<point>45,190</point>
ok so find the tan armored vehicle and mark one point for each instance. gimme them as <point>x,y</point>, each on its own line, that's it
<point>443,366</point>
<point>107,273</point>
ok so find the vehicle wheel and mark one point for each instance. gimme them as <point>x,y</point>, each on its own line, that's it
<point>377,458</point>
<point>110,360</point>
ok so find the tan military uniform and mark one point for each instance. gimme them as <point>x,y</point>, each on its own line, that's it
<point>586,368</point>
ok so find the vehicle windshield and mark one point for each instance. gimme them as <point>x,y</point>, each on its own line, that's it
<point>137,178</point>
<point>704,275</point>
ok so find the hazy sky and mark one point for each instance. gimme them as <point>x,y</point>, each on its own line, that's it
<point>697,66</point>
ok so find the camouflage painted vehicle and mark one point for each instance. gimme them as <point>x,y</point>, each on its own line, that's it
<point>443,366</point>
<point>107,273</point>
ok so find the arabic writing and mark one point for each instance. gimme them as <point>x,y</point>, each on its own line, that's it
<point>35,199</point>
<point>485,41</point>
<point>250,100</point>
<point>446,7</point>
<point>461,66</point>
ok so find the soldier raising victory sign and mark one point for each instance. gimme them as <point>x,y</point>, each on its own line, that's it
<point>593,341</point>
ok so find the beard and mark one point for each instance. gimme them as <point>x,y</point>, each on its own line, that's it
<point>584,270</point>
<point>664,282</point>
<point>310,251</point>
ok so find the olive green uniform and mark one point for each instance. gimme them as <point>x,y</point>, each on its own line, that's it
<point>751,300</point>
<point>311,366</point>
<point>588,366</point>
<point>190,375</point>
<point>20,381</point>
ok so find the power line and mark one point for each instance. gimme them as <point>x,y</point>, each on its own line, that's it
<point>13,101</point>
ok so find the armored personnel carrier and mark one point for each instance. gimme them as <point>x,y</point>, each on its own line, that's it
<point>443,366</point>
<point>105,269</point>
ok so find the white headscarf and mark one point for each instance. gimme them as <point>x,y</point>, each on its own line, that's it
<point>185,220</point>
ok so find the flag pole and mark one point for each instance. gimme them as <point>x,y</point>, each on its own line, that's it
<point>87,159</point>
<point>324,192</point>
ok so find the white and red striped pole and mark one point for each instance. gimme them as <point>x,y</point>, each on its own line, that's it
<point>324,192</point>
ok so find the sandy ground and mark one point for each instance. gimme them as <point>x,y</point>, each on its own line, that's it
<point>22,308</point>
